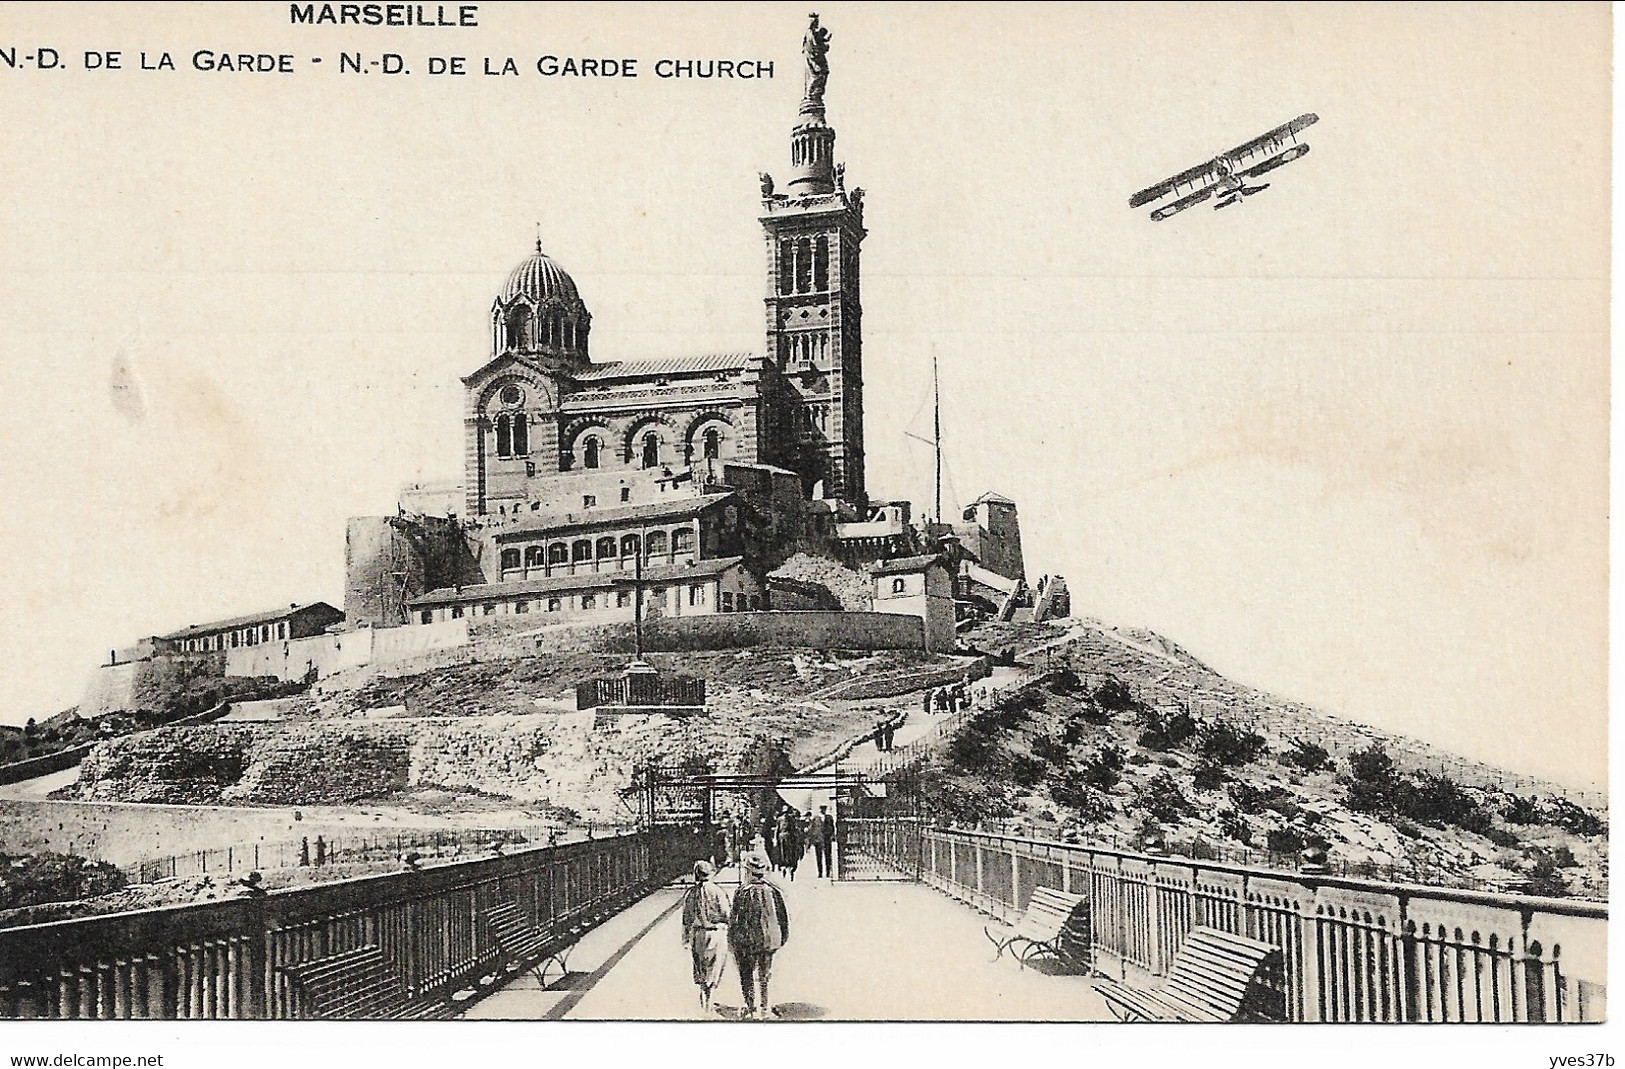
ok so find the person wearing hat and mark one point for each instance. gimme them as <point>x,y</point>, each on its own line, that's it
<point>705,919</point>
<point>758,926</point>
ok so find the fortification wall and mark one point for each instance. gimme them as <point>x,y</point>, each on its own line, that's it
<point>326,654</point>
<point>144,684</point>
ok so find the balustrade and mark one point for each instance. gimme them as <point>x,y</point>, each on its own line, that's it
<point>229,959</point>
<point>1355,950</point>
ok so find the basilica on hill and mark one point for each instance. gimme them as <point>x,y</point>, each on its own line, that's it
<point>693,480</point>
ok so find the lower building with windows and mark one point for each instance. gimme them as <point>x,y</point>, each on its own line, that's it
<point>690,588</point>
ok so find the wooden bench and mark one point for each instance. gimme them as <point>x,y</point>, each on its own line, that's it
<point>1056,922</point>
<point>527,946</point>
<point>1215,976</point>
<point>358,984</point>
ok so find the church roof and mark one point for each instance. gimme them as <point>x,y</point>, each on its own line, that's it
<point>682,365</point>
<point>587,581</point>
<point>539,278</point>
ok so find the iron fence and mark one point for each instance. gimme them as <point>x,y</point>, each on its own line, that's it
<point>1355,950</point>
<point>231,959</point>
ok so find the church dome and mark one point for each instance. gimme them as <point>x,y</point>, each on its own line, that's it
<point>539,279</point>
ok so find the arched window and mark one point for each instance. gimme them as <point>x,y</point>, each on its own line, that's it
<point>606,548</point>
<point>682,540</point>
<point>629,546</point>
<point>821,264</point>
<point>510,559</point>
<point>581,551</point>
<point>787,266</point>
<point>898,585</point>
<point>504,437</point>
<point>533,556</point>
<point>713,443</point>
<point>589,601</point>
<point>521,435</point>
<point>804,266</point>
<point>518,327</point>
<point>589,451</point>
<point>557,553</point>
<point>651,450</point>
<point>656,543</point>
<point>553,604</point>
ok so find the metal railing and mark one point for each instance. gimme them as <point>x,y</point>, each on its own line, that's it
<point>319,850</point>
<point>1355,950</point>
<point>230,959</point>
<point>642,689</point>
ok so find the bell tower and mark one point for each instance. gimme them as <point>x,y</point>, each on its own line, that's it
<point>814,231</point>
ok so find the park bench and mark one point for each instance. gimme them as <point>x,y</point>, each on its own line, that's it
<point>1056,922</point>
<point>1215,976</point>
<point>527,946</point>
<point>358,984</point>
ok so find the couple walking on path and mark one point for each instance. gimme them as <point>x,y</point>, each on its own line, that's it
<point>755,924</point>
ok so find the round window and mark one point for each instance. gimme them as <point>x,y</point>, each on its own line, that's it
<point>512,395</point>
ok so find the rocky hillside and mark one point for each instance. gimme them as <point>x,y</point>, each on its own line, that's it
<point>1129,740</point>
<point>504,729</point>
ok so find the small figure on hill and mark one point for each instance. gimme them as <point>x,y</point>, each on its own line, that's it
<point>304,851</point>
<point>705,925</point>
<point>758,925</point>
<point>321,851</point>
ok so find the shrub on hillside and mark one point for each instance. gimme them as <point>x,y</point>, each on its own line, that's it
<point>1503,837</point>
<point>1162,800</point>
<point>1063,681</point>
<point>1520,810</point>
<point>1570,817</point>
<point>1165,732</point>
<point>1235,826</point>
<point>1050,750</point>
<point>1438,799</point>
<point>1208,776</point>
<point>1225,744</point>
<point>34,879</point>
<point>1103,769</point>
<point>1307,756</point>
<point>1114,696</point>
<point>1027,770</point>
<point>1090,805</point>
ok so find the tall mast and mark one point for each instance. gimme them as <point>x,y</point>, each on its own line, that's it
<point>936,432</point>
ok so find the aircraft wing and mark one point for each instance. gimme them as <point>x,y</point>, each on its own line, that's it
<point>1275,139</point>
<point>1184,202</point>
<point>1202,174</point>
<point>1273,162</point>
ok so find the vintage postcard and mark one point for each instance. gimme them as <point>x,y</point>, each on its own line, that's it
<point>1086,515</point>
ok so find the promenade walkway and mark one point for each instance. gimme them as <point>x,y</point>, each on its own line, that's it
<point>857,951</point>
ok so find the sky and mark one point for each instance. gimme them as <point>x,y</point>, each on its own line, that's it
<point>1346,442</point>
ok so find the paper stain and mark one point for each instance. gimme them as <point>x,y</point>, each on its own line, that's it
<point>129,400</point>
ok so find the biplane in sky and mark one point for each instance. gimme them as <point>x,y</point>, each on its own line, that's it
<point>1226,176</point>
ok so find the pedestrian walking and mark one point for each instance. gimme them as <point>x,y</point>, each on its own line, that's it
<point>792,842</point>
<point>705,923</point>
<point>822,835</point>
<point>758,925</point>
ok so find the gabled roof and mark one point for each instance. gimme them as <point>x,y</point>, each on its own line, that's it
<point>994,498</point>
<point>903,565</point>
<point>703,569</point>
<point>534,524</point>
<point>270,616</point>
<point>683,365</point>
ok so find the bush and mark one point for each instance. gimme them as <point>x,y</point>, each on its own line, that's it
<point>1503,837</point>
<point>1522,811</point>
<point>1307,756</point>
<point>1050,750</point>
<point>1090,805</point>
<point>1162,800</point>
<point>1571,818</point>
<point>1226,745</point>
<point>1544,879</point>
<point>34,879</point>
<point>1028,771</point>
<point>1102,771</point>
<point>1159,732</point>
<point>1063,681</point>
<point>1254,800</point>
<point>1235,826</point>
<point>1209,777</point>
<point>1114,696</point>
<point>1438,799</point>
<point>1284,841</point>
<point>1406,828</point>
